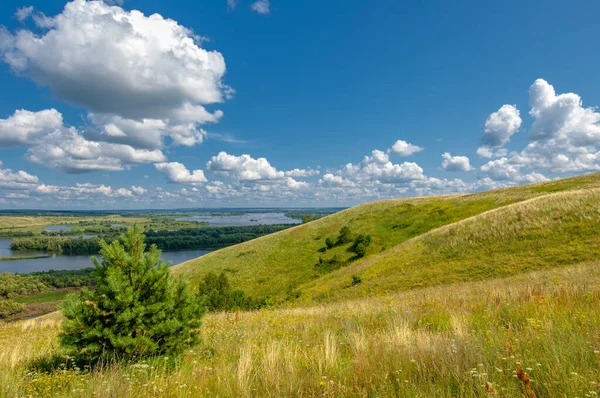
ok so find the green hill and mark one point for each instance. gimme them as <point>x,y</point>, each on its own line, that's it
<point>408,249</point>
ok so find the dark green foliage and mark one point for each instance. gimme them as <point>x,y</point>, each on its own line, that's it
<point>9,307</point>
<point>359,247</point>
<point>356,280</point>
<point>345,236</point>
<point>138,308</point>
<point>218,295</point>
<point>332,264</point>
<point>19,285</point>
<point>208,237</point>
<point>360,250</point>
<point>291,294</point>
<point>66,278</point>
<point>306,218</point>
<point>181,239</point>
<point>329,243</point>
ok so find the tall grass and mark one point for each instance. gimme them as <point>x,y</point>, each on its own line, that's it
<point>467,340</point>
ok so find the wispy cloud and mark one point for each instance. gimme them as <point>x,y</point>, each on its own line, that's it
<point>262,7</point>
<point>224,137</point>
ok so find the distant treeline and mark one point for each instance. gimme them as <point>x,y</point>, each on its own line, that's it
<point>13,285</point>
<point>208,238</point>
<point>182,239</point>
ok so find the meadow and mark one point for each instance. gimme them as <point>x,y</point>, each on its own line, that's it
<point>535,333</point>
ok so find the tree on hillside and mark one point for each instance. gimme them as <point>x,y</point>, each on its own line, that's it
<point>137,309</point>
<point>218,295</point>
<point>345,235</point>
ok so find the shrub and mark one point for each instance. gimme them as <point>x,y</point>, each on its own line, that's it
<point>345,235</point>
<point>359,247</point>
<point>329,243</point>
<point>218,295</point>
<point>360,250</point>
<point>356,280</point>
<point>9,307</point>
<point>138,308</point>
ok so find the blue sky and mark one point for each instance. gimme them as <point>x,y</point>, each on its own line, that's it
<point>217,103</point>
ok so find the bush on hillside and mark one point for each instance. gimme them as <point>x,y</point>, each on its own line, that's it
<point>329,243</point>
<point>9,307</point>
<point>345,236</point>
<point>12,285</point>
<point>359,247</point>
<point>218,295</point>
<point>138,308</point>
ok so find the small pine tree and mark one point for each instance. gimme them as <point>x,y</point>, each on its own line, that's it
<point>138,308</point>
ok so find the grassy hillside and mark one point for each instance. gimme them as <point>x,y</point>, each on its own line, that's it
<point>477,339</point>
<point>286,261</point>
<point>552,230</point>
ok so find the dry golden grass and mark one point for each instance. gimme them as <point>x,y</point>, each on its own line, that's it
<point>465,340</point>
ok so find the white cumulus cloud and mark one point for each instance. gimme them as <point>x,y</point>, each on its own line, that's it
<point>23,126</point>
<point>500,126</point>
<point>178,173</point>
<point>243,168</point>
<point>455,163</point>
<point>403,148</point>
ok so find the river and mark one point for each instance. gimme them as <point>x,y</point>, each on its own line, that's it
<point>245,219</point>
<point>58,262</point>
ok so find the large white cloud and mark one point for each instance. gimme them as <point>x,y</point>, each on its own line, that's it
<point>501,169</point>
<point>562,117</point>
<point>67,149</point>
<point>140,77</point>
<point>178,173</point>
<point>564,137</point>
<point>500,126</point>
<point>455,163</point>
<point>24,126</point>
<point>121,62</point>
<point>330,180</point>
<point>378,168</point>
<point>243,168</point>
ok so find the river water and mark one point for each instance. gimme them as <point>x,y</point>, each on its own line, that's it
<point>58,262</point>
<point>243,219</point>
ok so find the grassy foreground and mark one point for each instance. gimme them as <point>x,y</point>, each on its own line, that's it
<point>536,333</point>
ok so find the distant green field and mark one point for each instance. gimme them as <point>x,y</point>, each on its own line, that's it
<point>43,298</point>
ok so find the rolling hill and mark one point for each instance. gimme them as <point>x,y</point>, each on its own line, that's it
<point>418,242</point>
